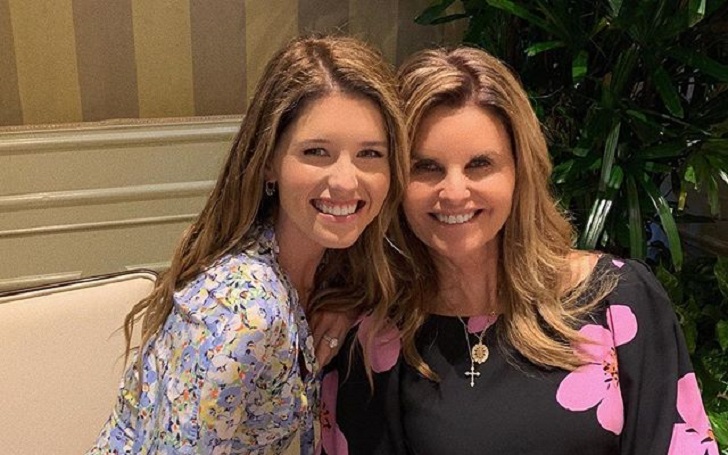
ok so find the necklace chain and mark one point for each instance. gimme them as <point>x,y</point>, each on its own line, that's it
<point>478,353</point>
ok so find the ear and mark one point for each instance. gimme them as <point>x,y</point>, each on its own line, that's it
<point>269,172</point>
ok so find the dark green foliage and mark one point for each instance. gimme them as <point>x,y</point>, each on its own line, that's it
<point>633,96</point>
<point>700,294</point>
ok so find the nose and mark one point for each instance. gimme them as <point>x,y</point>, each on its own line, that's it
<point>344,175</point>
<point>455,188</point>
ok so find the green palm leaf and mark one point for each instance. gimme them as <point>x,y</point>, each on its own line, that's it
<point>666,220</point>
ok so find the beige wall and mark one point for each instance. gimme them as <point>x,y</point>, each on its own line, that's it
<point>99,198</point>
<point>67,61</point>
<point>115,116</point>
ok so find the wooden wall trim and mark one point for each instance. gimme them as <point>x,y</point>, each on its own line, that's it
<point>103,135</point>
<point>97,225</point>
<point>104,195</point>
<point>158,267</point>
<point>37,280</point>
<point>100,198</point>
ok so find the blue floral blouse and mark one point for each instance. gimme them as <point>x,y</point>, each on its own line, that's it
<point>232,371</point>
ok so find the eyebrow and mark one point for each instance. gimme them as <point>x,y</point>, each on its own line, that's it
<point>375,144</point>
<point>484,154</point>
<point>417,156</point>
<point>317,141</point>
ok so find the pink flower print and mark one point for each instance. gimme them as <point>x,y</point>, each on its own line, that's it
<point>477,324</point>
<point>383,355</point>
<point>333,440</point>
<point>385,345</point>
<point>596,383</point>
<point>695,435</point>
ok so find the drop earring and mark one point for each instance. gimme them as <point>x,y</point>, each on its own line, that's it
<point>270,188</point>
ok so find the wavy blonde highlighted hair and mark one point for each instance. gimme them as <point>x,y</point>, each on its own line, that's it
<point>542,305</point>
<point>304,70</point>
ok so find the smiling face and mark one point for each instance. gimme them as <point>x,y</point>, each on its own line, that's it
<point>462,182</point>
<point>332,169</point>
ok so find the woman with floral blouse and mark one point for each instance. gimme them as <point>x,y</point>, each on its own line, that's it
<point>296,222</point>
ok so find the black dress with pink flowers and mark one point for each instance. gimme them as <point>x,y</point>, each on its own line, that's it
<point>636,394</point>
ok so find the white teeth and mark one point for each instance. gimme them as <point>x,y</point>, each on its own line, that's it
<point>336,210</point>
<point>454,219</point>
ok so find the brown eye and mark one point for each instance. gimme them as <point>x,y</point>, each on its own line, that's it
<point>315,152</point>
<point>422,166</point>
<point>479,162</point>
<point>370,153</point>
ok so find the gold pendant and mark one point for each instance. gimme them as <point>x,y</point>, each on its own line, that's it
<point>480,353</point>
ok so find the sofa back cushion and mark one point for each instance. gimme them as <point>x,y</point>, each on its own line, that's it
<point>61,361</point>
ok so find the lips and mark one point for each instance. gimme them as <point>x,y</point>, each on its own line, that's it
<point>452,219</point>
<point>337,208</point>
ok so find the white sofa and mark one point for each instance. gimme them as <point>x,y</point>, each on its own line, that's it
<point>61,360</point>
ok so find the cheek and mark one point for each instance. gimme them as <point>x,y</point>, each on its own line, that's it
<point>415,200</point>
<point>379,184</point>
<point>292,188</point>
<point>499,190</point>
<point>503,198</point>
<point>408,206</point>
<point>508,196</point>
<point>415,212</point>
<point>295,190</point>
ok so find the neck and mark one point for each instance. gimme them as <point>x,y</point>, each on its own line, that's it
<point>299,260</point>
<point>468,286</point>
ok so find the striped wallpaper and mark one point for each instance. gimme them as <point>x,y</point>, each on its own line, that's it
<point>68,61</point>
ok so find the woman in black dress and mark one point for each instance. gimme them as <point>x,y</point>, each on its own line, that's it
<point>505,340</point>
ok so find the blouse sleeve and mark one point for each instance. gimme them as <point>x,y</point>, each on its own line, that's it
<point>663,411</point>
<point>245,330</point>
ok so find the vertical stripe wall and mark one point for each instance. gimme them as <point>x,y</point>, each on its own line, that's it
<point>376,21</point>
<point>11,111</point>
<point>163,49</point>
<point>214,23</point>
<point>106,59</point>
<point>45,58</point>
<point>268,25</point>
<point>68,61</point>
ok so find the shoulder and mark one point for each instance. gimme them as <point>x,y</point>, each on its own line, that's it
<point>232,314</point>
<point>635,281</point>
<point>235,284</point>
<point>581,265</point>
<point>627,277</point>
<point>637,293</point>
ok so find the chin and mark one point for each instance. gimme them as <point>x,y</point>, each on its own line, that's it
<point>339,245</point>
<point>458,250</point>
<point>336,241</point>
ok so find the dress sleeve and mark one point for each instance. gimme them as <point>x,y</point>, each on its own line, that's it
<point>663,411</point>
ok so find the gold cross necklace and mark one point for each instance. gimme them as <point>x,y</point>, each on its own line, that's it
<point>478,353</point>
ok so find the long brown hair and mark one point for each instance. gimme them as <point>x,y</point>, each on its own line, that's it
<point>542,305</point>
<point>305,69</point>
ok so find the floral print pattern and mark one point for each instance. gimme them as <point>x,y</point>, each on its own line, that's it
<point>694,436</point>
<point>223,375</point>
<point>384,353</point>
<point>385,346</point>
<point>332,439</point>
<point>637,381</point>
<point>596,383</point>
<point>477,324</point>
